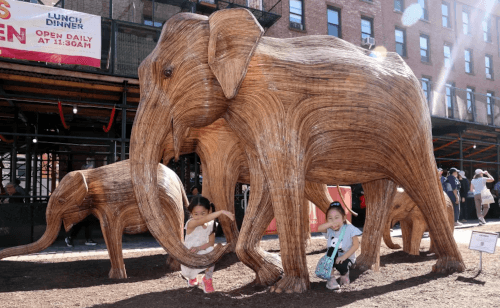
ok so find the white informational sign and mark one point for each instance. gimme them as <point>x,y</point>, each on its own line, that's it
<point>483,241</point>
<point>49,34</point>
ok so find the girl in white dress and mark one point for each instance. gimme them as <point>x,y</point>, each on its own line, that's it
<point>200,238</point>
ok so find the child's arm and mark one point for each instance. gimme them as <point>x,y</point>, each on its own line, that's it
<point>323,227</point>
<point>355,246</point>
<point>195,223</point>
<point>211,243</point>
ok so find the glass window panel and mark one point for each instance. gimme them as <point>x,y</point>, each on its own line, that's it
<point>333,30</point>
<point>333,17</point>
<point>295,18</point>
<point>398,5</point>
<point>444,9</point>
<point>366,26</point>
<point>400,36</point>
<point>423,42</point>
<point>296,7</point>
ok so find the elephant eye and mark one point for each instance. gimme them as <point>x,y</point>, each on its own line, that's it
<point>167,72</point>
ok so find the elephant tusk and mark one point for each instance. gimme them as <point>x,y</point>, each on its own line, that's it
<point>343,201</point>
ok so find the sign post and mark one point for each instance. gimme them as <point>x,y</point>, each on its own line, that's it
<point>483,242</point>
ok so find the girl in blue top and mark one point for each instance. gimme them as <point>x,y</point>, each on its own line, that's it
<point>346,256</point>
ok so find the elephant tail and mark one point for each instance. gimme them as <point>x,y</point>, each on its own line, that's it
<point>185,200</point>
<point>45,241</point>
<point>387,236</point>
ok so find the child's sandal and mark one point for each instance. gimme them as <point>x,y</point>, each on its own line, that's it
<point>344,280</point>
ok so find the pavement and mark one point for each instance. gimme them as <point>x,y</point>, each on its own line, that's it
<point>144,243</point>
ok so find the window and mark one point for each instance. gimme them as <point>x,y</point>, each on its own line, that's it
<point>296,20</point>
<point>423,4</point>
<point>366,27</point>
<point>445,12</point>
<point>149,22</point>
<point>487,30</point>
<point>400,42</point>
<point>447,55</point>
<point>334,22</point>
<point>468,61</point>
<point>490,102</point>
<point>465,22</point>
<point>470,99</point>
<point>424,48</point>
<point>426,87</point>
<point>488,64</point>
<point>399,5</point>
<point>449,98</point>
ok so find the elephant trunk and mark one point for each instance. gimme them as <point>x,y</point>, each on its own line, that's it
<point>50,235</point>
<point>387,236</point>
<point>147,136</point>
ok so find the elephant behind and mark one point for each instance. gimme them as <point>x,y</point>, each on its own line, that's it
<point>107,193</point>
<point>412,222</point>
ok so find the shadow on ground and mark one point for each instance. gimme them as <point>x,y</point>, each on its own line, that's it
<point>29,276</point>
<point>258,296</point>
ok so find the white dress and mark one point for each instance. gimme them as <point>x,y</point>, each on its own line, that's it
<point>198,237</point>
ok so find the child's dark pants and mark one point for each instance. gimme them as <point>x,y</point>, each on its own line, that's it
<point>343,267</point>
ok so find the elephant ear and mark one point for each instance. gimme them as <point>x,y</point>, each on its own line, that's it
<point>234,35</point>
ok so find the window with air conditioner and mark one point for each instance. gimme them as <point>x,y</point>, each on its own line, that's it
<point>367,31</point>
<point>296,14</point>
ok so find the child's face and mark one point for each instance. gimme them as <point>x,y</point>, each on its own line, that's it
<point>336,218</point>
<point>199,212</point>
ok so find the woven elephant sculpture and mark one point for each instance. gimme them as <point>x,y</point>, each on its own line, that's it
<point>106,192</point>
<point>412,223</point>
<point>313,108</point>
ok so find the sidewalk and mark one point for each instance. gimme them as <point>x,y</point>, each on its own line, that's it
<point>138,243</point>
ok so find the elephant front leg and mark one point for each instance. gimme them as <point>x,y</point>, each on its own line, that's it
<point>419,227</point>
<point>258,215</point>
<point>379,196</point>
<point>287,206</point>
<point>112,232</point>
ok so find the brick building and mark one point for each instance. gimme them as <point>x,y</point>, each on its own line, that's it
<point>453,47</point>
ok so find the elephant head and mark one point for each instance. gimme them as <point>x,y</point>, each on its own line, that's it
<point>186,82</point>
<point>65,204</point>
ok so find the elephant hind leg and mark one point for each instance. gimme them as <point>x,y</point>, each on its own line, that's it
<point>112,232</point>
<point>379,196</point>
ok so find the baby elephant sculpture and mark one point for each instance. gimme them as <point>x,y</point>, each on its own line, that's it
<point>412,222</point>
<point>107,193</point>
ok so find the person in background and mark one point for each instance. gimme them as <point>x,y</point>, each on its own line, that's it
<point>90,163</point>
<point>464,189</point>
<point>19,189</point>
<point>11,191</point>
<point>441,177</point>
<point>477,185</point>
<point>453,191</point>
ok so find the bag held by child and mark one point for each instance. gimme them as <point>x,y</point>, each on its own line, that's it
<point>486,196</point>
<point>325,264</point>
